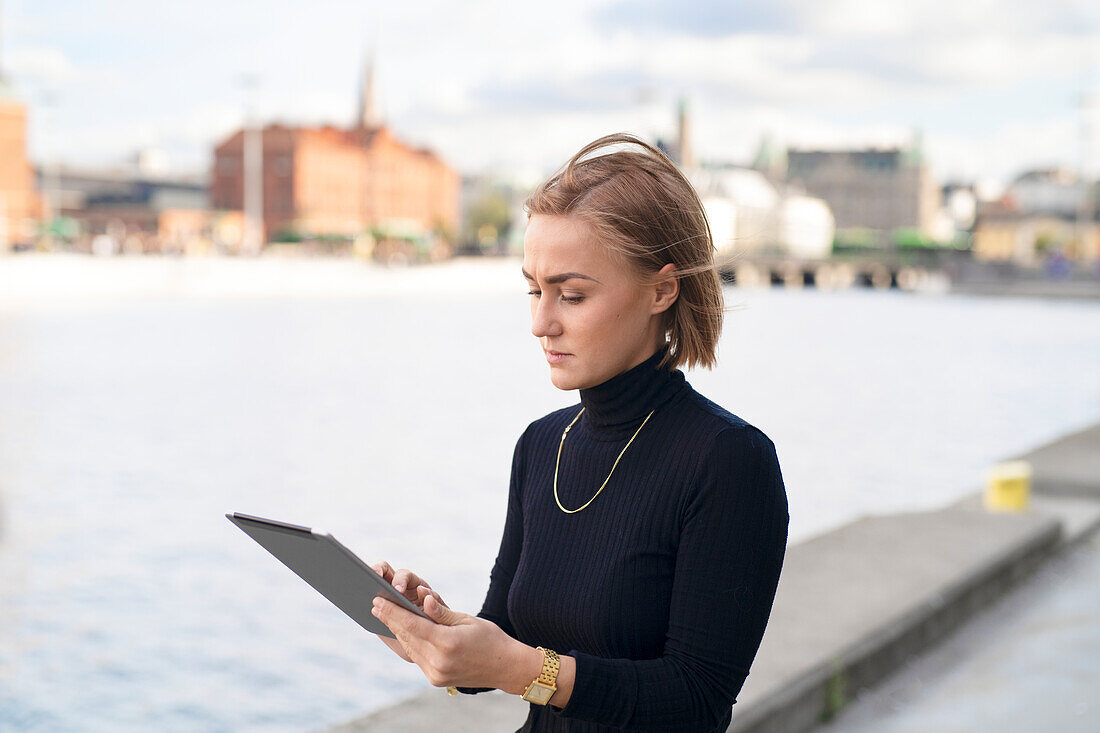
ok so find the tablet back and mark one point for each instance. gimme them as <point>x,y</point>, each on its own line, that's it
<point>332,569</point>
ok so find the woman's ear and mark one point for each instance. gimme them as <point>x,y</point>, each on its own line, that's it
<point>666,288</point>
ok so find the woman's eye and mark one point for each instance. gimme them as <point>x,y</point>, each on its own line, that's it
<point>564,298</point>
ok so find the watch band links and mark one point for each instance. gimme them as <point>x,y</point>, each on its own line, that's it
<point>550,666</point>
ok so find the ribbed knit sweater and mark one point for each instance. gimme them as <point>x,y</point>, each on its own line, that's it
<point>662,587</point>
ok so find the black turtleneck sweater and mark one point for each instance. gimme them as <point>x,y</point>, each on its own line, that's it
<point>662,587</point>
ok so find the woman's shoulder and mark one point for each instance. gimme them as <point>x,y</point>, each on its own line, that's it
<point>718,423</point>
<point>737,461</point>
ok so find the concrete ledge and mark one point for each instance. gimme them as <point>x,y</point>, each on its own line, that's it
<point>435,711</point>
<point>856,603</point>
<point>1044,288</point>
<point>1068,466</point>
<point>1079,517</point>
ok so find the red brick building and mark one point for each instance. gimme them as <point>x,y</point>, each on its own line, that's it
<point>330,180</point>
<point>19,203</point>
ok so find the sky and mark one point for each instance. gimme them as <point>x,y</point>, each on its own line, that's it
<point>511,88</point>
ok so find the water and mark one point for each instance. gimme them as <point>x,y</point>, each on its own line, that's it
<point>384,408</point>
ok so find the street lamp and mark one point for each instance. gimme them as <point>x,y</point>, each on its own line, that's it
<point>252,239</point>
<point>51,168</point>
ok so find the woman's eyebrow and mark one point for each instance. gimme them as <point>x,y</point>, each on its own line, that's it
<point>555,279</point>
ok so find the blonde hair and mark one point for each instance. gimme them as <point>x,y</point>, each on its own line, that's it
<point>641,206</point>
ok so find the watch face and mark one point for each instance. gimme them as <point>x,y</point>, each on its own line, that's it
<point>539,693</point>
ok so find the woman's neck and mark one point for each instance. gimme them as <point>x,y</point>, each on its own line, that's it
<point>629,396</point>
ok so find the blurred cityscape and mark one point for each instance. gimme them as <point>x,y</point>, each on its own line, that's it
<point>826,218</point>
<point>260,257</point>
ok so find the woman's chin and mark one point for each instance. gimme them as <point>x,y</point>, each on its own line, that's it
<point>561,379</point>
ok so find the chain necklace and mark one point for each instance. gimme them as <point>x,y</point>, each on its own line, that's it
<point>613,466</point>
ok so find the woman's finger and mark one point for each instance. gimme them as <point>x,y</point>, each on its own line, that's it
<point>411,630</point>
<point>423,591</point>
<point>384,569</point>
<point>440,613</point>
<point>406,582</point>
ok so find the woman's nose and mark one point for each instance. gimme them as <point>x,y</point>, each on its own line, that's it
<point>544,321</point>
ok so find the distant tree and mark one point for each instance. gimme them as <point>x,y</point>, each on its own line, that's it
<point>488,220</point>
<point>444,231</point>
<point>1045,242</point>
<point>288,235</point>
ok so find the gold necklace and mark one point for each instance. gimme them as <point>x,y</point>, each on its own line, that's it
<point>613,466</point>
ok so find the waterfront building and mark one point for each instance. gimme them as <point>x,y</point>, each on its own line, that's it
<point>770,160</point>
<point>329,180</point>
<point>960,203</point>
<point>136,210</point>
<point>19,201</point>
<point>1042,214</point>
<point>1054,191</point>
<point>878,191</point>
<point>1003,233</point>
<point>681,149</point>
<point>749,214</point>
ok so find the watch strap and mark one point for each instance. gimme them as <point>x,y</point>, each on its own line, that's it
<point>550,666</point>
<point>543,687</point>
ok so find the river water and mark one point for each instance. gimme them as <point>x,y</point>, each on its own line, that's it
<point>384,407</point>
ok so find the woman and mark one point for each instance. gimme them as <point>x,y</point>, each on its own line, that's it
<point>646,526</point>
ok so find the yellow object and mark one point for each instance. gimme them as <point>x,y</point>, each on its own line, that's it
<point>1008,486</point>
<point>543,687</point>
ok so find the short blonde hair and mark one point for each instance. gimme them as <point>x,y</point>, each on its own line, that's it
<point>641,206</point>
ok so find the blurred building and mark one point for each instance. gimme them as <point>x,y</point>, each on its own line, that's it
<point>1029,239</point>
<point>770,160</point>
<point>134,211</point>
<point>877,190</point>
<point>329,180</point>
<point>1042,214</point>
<point>81,190</point>
<point>753,210</point>
<point>960,203</point>
<point>1055,191</point>
<point>682,149</point>
<point>748,214</point>
<point>19,202</point>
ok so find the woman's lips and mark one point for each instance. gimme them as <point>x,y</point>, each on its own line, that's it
<point>556,357</point>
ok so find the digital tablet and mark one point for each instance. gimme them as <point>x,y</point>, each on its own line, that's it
<point>332,569</point>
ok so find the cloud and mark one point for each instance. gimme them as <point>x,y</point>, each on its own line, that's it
<point>848,19</point>
<point>41,64</point>
<point>711,19</point>
<point>911,45</point>
<point>609,89</point>
<point>1035,144</point>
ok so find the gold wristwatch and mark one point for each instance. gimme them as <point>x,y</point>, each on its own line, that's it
<point>543,687</point>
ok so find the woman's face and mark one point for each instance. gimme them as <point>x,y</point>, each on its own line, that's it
<point>591,314</point>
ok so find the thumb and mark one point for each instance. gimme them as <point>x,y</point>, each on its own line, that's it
<point>441,614</point>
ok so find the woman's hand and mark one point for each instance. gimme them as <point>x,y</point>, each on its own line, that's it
<point>459,649</point>
<point>410,585</point>
<point>405,582</point>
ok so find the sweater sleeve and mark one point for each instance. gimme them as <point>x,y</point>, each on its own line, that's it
<point>733,537</point>
<point>495,607</point>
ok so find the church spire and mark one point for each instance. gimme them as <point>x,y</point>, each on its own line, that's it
<point>368,113</point>
<point>686,144</point>
<point>5,85</point>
